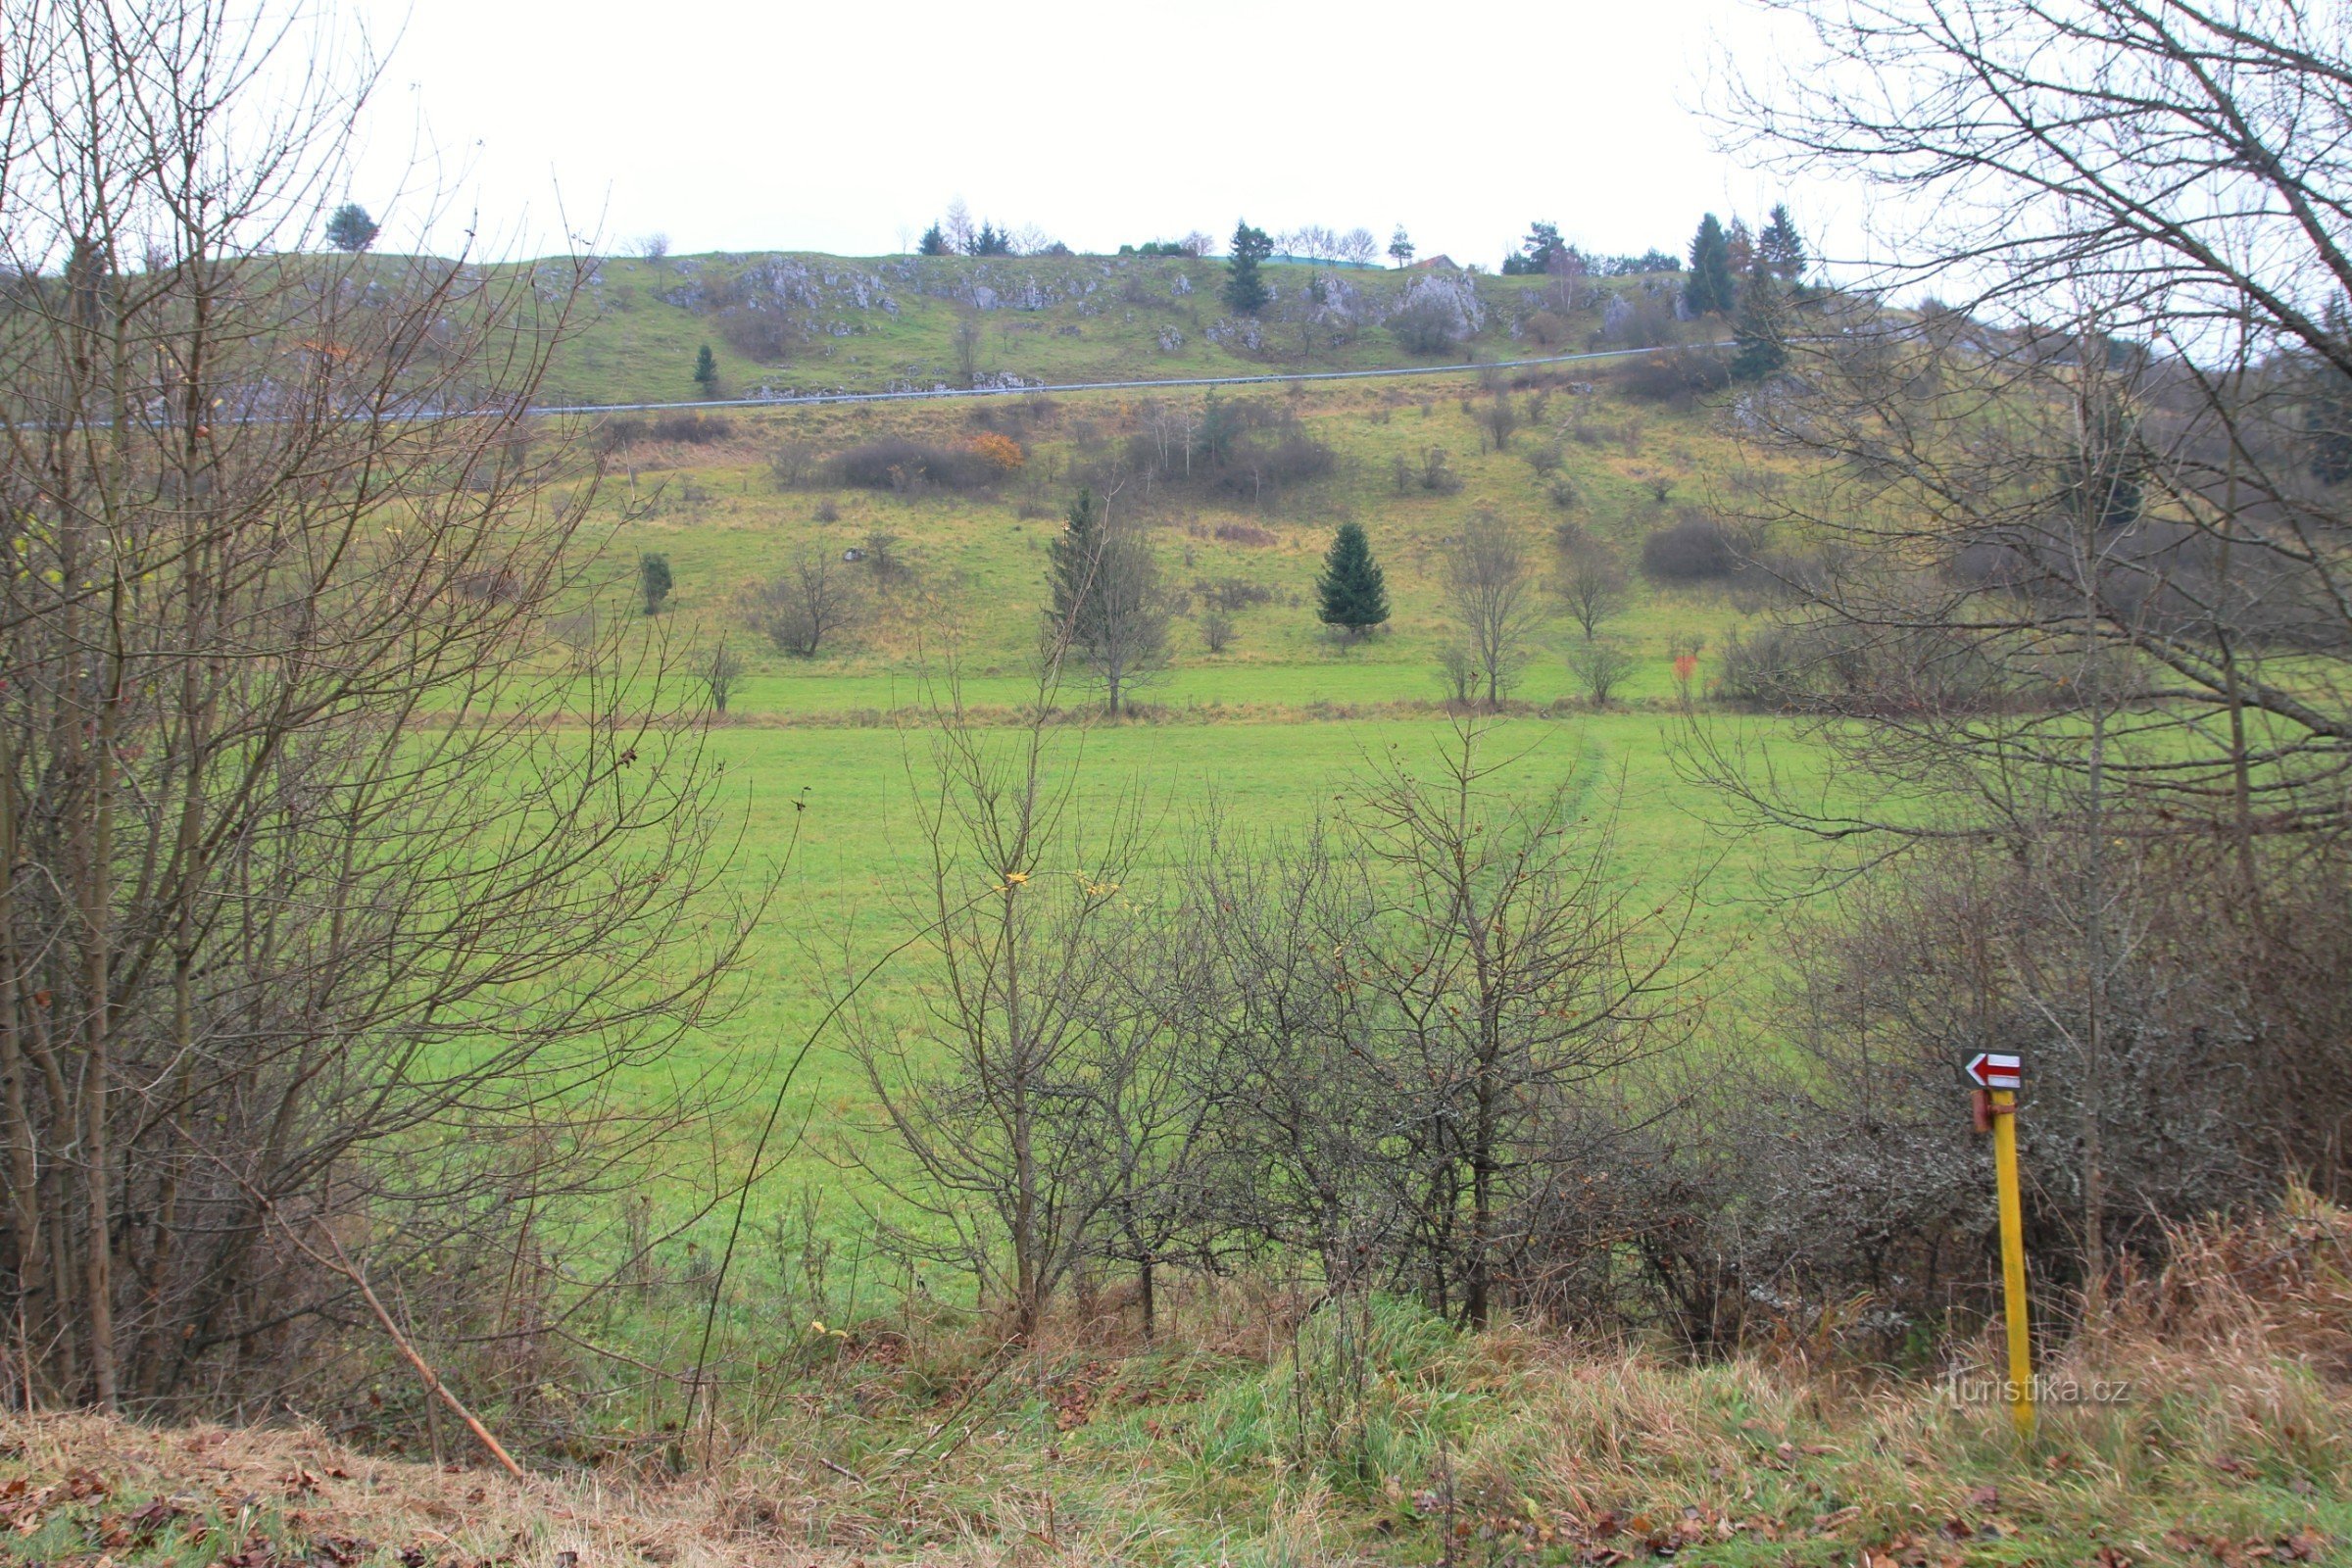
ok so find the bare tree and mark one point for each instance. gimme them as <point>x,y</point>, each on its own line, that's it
<point>1594,590</point>
<point>1491,596</point>
<point>721,672</point>
<point>968,338</point>
<point>1017,1099</point>
<point>327,913</point>
<point>814,603</point>
<point>1108,607</point>
<point>653,247</point>
<point>2108,612</point>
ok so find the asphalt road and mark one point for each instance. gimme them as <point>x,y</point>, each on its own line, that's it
<point>1105,386</point>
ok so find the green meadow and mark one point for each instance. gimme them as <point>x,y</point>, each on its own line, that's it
<point>826,758</point>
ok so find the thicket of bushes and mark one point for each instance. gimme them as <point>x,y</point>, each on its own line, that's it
<point>683,429</point>
<point>902,463</point>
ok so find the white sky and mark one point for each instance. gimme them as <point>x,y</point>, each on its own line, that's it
<point>738,124</point>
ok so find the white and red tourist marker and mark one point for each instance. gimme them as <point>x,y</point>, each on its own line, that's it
<point>1993,1069</point>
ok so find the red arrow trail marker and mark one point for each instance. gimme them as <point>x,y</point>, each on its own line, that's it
<point>1992,1069</point>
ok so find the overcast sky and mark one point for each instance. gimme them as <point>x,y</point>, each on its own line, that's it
<point>738,124</point>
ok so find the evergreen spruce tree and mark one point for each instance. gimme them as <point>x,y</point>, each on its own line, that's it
<point>1355,595</point>
<point>350,229</point>
<point>1245,290</point>
<point>1759,326</point>
<point>1070,562</point>
<point>705,372</point>
<point>1780,248</point>
<point>1708,289</point>
<point>935,243</point>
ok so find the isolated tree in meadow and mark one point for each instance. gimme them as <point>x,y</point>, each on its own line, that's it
<point>814,603</point>
<point>1708,289</point>
<point>935,243</point>
<point>1245,290</point>
<point>721,672</point>
<point>705,372</point>
<point>1353,592</point>
<point>1491,596</point>
<point>1108,607</point>
<point>1401,247</point>
<point>1593,589</point>
<point>351,230</point>
<point>654,581</point>
<point>1780,247</point>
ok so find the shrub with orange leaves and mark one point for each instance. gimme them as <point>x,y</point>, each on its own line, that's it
<point>1002,452</point>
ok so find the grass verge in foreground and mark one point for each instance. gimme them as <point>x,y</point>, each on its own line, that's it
<point>1377,1434</point>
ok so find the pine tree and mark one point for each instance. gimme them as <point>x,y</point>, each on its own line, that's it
<point>1355,595</point>
<point>705,372</point>
<point>1708,289</point>
<point>1781,247</point>
<point>935,243</point>
<point>1245,290</point>
<point>351,228</point>
<point>1401,247</point>
<point>1759,326</point>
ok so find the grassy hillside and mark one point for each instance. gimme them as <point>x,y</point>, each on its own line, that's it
<point>1587,464</point>
<point>804,322</point>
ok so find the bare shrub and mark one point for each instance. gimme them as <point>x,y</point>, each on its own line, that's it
<point>1599,668</point>
<point>814,603</point>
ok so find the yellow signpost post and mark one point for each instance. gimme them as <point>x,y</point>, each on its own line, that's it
<point>1997,1077</point>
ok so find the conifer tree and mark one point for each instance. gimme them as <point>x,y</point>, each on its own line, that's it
<point>351,228</point>
<point>1708,289</point>
<point>935,243</point>
<point>1780,247</point>
<point>1354,594</point>
<point>1245,290</point>
<point>705,372</point>
<point>1759,326</point>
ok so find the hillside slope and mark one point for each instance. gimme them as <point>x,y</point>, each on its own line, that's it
<point>784,321</point>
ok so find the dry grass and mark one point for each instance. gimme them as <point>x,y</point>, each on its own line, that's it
<point>2225,1438</point>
